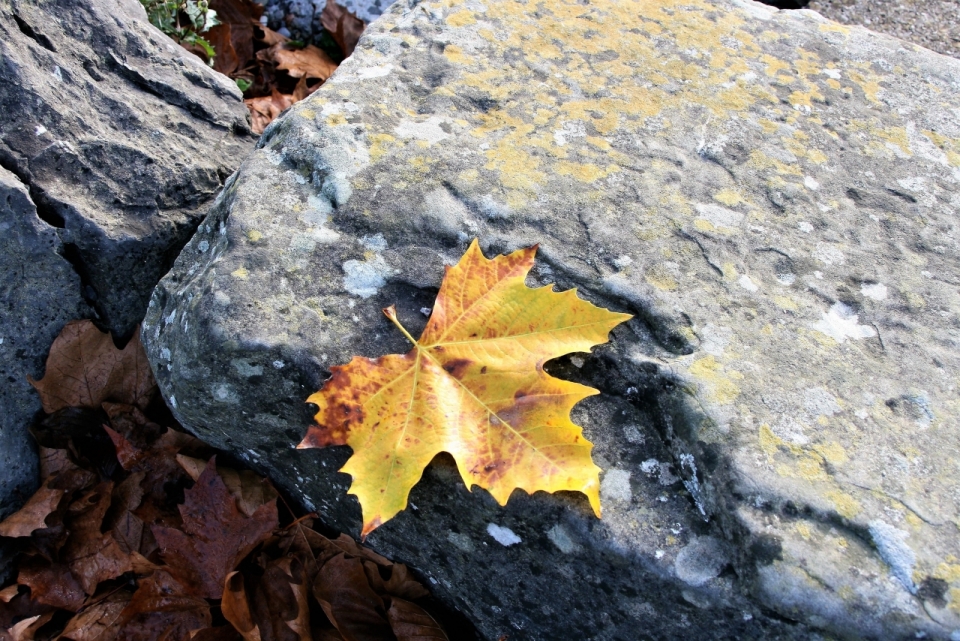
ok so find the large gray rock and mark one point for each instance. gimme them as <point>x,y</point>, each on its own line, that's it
<point>39,293</point>
<point>773,195</point>
<point>121,136</point>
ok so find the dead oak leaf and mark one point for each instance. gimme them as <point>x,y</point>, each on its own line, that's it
<point>308,62</point>
<point>344,26</point>
<point>216,535</point>
<point>33,515</point>
<point>84,369</point>
<point>473,386</point>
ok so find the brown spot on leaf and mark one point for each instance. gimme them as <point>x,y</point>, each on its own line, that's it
<point>457,368</point>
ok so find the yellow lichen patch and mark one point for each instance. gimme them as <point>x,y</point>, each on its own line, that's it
<point>240,273</point>
<point>832,452</point>
<point>869,86</point>
<point>253,235</point>
<point>722,389</point>
<point>759,160</point>
<point>704,225</point>
<point>729,197</point>
<point>896,136</point>
<point>949,572</point>
<point>845,505</point>
<point>833,84</point>
<point>804,98</point>
<point>803,529</point>
<point>461,19</point>
<point>835,28</point>
<point>816,156</point>
<point>518,169</point>
<point>422,164</point>
<point>810,468</point>
<point>455,54</point>
<point>660,278</point>
<point>769,442</point>
<point>785,302</point>
<point>336,119</point>
<point>380,145</point>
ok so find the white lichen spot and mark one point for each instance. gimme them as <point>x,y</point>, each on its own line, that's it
<point>894,551</point>
<point>820,402</point>
<point>503,535</point>
<point>559,536</point>
<point>786,279</point>
<point>810,183</point>
<point>828,254</point>
<point>430,130</point>
<point>662,470</point>
<point>365,278</point>
<point>831,73</point>
<point>745,282</point>
<point>805,227</point>
<point>622,262</point>
<point>719,216</point>
<point>278,364</point>
<point>164,353</point>
<point>876,291</point>
<point>570,129</point>
<point>245,369</point>
<point>633,434</point>
<point>221,299</point>
<point>714,338</point>
<point>374,243</point>
<point>702,559</point>
<point>461,541</point>
<point>225,394</point>
<point>841,323</point>
<point>577,361</point>
<point>58,74</point>
<point>375,72</point>
<point>615,487</point>
<point>40,130</point>
<point>426,311</point>
<point>173,401</point>
<point>203,246</point>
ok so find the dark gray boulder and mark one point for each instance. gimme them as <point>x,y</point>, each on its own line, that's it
<point>120,135</point>
<point>773,195</point>
<point>39,294</point>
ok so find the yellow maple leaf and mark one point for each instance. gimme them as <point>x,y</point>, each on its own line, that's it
<point>473,386</point>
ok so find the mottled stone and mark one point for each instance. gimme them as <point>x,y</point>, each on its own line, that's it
<point>122,137</point>
<point>773,196</point>
<point>39,294</point>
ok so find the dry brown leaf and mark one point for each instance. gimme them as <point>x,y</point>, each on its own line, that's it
<point>347,599</point>
<point>91,555</point>
<point>265,109</point>
<point>410,622</point>
<point>282,609</point>
<point>345,27</point>
<point>9,592</point>
<point>26,629</point>
<point>52,461</point>
<point>51,584</point>
<point>216,535</point>
<point>99,621</point>
<point>84,369</point>
<point>309,62</point>
<point>400,584</point>
<point>236,607</point>
<point>161,608</point>
<point>249,488</point>
<point>32,516</point>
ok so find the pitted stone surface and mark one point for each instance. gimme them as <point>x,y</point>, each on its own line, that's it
<point>772,194</point>
<point>122,137</point>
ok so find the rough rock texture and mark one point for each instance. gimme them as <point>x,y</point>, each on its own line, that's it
<point>39,293</point>
<point>121,137</point>
<point>934,24</point>
<point>772,194</point>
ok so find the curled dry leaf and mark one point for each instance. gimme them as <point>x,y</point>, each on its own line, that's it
<point>309,62</point>
<point>216,535</point>
<point>99,621</point>
<point>344,26</point>
<point>236,607</point>
<point>161,608</point>
<point>264,109</point>
<point>51,584</point>
<point>84,369</point>
<point>473,386</point>
<point>355,610</point>
<point>410,622</point>
<point>249,488</point>
<point>26,630</point>
<point>33,515</point>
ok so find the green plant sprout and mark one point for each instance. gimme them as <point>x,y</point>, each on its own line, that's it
<point>168,16</point>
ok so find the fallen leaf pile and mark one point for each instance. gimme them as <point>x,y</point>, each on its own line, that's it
<point>137,532</point>
<point>473,386</point>
<point>274,71</point>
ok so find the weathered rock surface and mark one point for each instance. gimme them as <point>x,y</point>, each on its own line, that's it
<point>121,136</point>
<point>39,293</point>
<point>773,195</point>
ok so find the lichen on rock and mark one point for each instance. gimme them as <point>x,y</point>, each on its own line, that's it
<point>773,196</point>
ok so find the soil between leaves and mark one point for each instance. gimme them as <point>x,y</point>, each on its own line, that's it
<point>138,533</point>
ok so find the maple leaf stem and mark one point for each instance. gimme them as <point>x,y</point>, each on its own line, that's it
<point>391,313</point>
